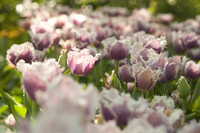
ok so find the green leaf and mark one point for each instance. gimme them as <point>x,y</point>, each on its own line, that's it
<point>3,109</point>
<point>196,105</point>
<point>21,110</point>
<point>11,102</point>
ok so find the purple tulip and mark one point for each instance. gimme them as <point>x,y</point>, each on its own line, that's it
<point>177,40</point>
<point>41,27</point>
<point>120,108</point>
<point>173,67</point>
<point>192,70</point>
<point>18,52</point>
<point>165,18</point>
<point>77,19</point>
<point>41,41</point>
<point>190,39</point>
<point>148,66</point>
<point>81,62</point>
<point>38,75</point>
<point>194,53</point>
<point>116,49</point>
<point>125,73</point>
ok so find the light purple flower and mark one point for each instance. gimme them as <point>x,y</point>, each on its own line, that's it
<point>192,70</point>
<point>165,18</point>
<point>41,41</point>
<point>177,40</point>
<point>125,73</point>
<point>38,75</point>
<point>116,49</point>
<point>121,108</point>
<point>77,19</point>
<point>24,51</point>
<point>81,62</point>
<point>173,67</point>
<point>148,66</point>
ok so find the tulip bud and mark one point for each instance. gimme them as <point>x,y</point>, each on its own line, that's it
<point>18,52</point>
<point>125,73</point>
<point>81,62</point>
<point>183,87</point>
<point>192,70</point>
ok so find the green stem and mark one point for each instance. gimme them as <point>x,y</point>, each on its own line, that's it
<point>116,67</point>
<point>134,91</point>
<point>17,73</point>
<point>126,87</point>
<point>34,109</point>
<point>195,92</point>
<point>184,104</point>
<point>77,78</point>
<point>148,94</point>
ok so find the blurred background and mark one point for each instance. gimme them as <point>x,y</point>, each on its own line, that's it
<point>11,33</point>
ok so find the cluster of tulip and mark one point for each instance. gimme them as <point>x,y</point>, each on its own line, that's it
<point>146,85</point>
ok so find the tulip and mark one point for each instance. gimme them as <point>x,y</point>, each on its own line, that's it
<point>165,18</point>
<point>116,49</point>
<point>81,62</point>
<point>194,53</point>
<point>38,75</point>
<point>41,41</point>
<point>177,40</point>
<point>120,108</point>
<point>190,39</point>
<point>23,51</point>
<point>125,73</point>
<point>173,67</point>
<point>192,70</point>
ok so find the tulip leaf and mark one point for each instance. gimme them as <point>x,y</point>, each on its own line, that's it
<point>11,102</point>
<point>3,109</point>
<point>196,105</point>
<point>21,110</point>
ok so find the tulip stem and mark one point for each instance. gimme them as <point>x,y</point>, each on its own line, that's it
<point>134,91</point>
<point>116,67</point>
<point>18,74</point>
<point>34,109</point>
<point>184,104</point>
<point>77,78</point>
<point>195,92</point>
<point>148,94</point>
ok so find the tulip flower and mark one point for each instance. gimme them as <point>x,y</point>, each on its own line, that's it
<point>192,70</point>
<point>81,62</point>
<point>23,51</point>
<point>116,49</point>
<point>38,75</point>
